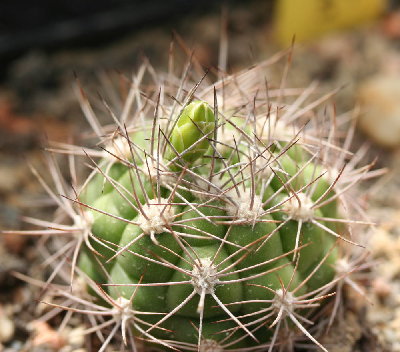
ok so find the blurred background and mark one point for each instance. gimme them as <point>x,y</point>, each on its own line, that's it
<point>46,45</point>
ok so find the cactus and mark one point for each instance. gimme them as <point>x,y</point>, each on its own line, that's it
<point>207,229</point>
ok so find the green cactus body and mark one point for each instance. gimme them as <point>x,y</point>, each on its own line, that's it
<point>211,256</point>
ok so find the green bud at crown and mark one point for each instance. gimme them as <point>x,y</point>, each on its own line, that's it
<point>189,135</point>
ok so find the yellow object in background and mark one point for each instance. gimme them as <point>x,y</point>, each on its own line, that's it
<point>309,19</point>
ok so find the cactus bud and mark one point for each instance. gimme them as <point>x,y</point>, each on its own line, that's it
<point>189,135</point>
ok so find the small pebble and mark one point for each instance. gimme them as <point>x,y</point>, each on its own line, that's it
<point>6,328</point>
<point>381,287</point>
<point>45,335</point>
<point>379,98</point>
